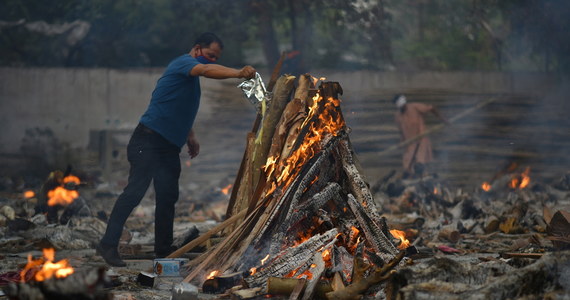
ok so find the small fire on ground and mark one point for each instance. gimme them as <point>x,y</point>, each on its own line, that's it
<point>518,181</point>
<point>45,268</point>
<point>226,190</point>
<point>61,195</point>
<point>404,243</point>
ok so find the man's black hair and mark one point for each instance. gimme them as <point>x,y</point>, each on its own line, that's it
<point>207,38</point>
<point>396,97</point>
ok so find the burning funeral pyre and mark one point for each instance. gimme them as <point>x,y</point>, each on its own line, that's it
<point>309,214</point>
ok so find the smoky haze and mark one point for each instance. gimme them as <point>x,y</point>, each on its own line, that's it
<point>71,71</point>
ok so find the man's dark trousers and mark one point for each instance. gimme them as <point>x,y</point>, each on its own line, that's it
<point>151,158</point>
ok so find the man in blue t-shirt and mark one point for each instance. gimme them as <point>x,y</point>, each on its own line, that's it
<point>154,148</point>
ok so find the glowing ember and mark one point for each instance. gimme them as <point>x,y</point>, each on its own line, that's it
<point>213,274</point>
<point>405,243</point>
<point>307,274</point>
<point>29,194</point>
<point>44,268</point>
<point>486,186</point>
<point>226,190</point>
<point>71,179</point>
<point>252,271</point>
<point>264,259</point>
<point>62,196</point>
<point>326,255</point>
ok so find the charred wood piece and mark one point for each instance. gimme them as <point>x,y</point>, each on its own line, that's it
<point>381,244</point>
<point>357,287</point>
<point>291,258</point>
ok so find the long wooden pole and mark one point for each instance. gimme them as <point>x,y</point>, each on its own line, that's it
<point>437,127</point>
<point>256,123</point>
<point>199,240</point>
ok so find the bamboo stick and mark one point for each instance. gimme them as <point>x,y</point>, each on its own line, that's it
<point>437,127</point>
<point>199,240</point>
<point>248,155</point>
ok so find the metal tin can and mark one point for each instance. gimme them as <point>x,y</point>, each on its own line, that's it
<point>168,266</point>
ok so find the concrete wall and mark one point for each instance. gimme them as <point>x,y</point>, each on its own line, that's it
<point>74,101</point>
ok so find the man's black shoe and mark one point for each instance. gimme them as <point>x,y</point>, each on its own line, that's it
<point>111,255</point>
<point>162,253</point>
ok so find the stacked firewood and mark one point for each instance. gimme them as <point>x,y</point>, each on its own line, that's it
<point>300,209</point>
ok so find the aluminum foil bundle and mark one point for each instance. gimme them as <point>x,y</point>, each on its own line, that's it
<point>254,90</point>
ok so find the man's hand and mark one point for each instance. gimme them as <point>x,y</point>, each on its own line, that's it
<point>247,72</point>
<point>193,145</point>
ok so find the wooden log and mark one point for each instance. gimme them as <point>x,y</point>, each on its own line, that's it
<point>359,266</point>
<point>374,235</point>
<point>358,186</point>
<point>287,128</point>
<point>285,286</point>
<point>298,290</point>
<point>291,119</point>
<point>356,288</point>
<point>232,249</point>
<point>279,100</point>
<point>244,189</point>
<point>248,155</point>
<point>449,234</point>
<point>291,258</point>
<point>291,196</point>
<point>337,282</point>
<point>331,191</point>
<point>220,284</point>
<point>317,271</point>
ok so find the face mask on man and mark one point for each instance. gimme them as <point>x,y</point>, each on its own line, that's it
<point>203,59</point>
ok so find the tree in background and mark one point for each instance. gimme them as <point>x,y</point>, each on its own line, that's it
<point>338,34</point>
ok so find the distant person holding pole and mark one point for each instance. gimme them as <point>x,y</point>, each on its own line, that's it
<point>410,122</point>
<point>154,148</point>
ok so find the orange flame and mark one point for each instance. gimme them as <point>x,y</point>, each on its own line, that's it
<point>486,186</point>
<point>307,274</point>
<point>329,123</point>
<point>326,255</point>
<point>71,179</point>
<point>525,178</point>
<point>520,181</point>
<point>29,194</point>
<point>62,196</point>
<point>226,190</point>
<point>405,243</point>
<point>353,239</point>
<point>44,268</point>
<point>252,271</point>
<point>213,274</point>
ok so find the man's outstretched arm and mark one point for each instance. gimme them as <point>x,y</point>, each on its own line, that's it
<point>216,71</point>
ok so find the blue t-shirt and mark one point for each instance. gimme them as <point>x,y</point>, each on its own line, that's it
<point>175,101</point>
